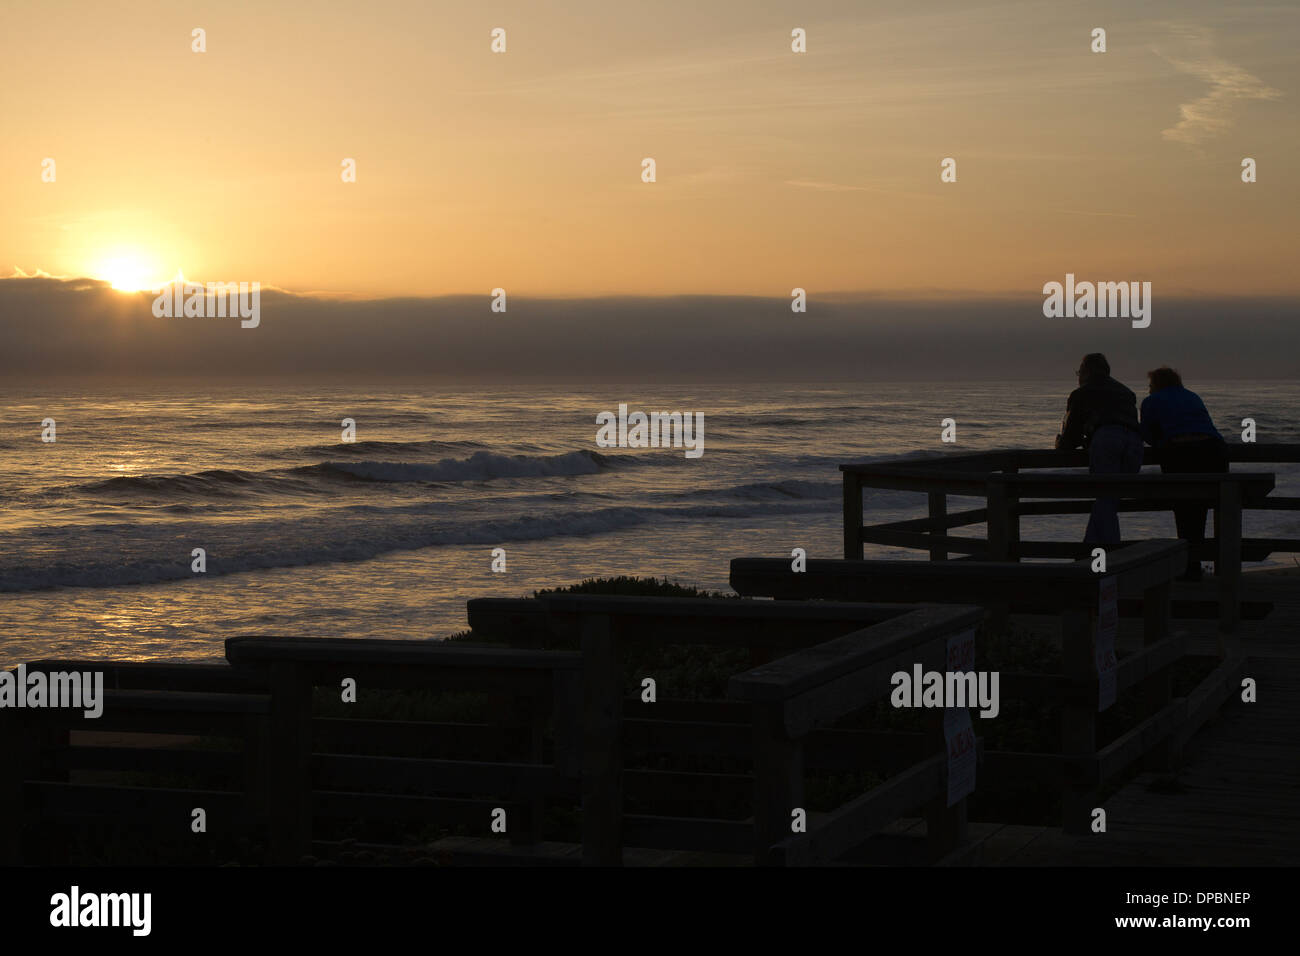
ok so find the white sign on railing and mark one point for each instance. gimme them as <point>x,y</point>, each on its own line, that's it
<point>957,730</point>
<point>1104,645</point>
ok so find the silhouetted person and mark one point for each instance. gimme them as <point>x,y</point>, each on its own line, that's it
<point>1101,415</point>
<point>1175,421</point>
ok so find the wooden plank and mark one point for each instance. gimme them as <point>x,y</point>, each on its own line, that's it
<point>226,763</point>
<point>566,725</point>
<point>942,522</point>
<point>147,675</point>
<point>441,811</point>
<point>414,738</point>
<point>1028,587</point>
<point>18,745</point>
<point>964,462</point>
<point>799,672</point>
<point>350,772</point>
<point>1209,695</point>
<point>778,778</point>
<point>602,764</point>
<point>850,825</point>
<point>288,775</point>
<point>1078,715</point>
<point>946,827</point>
<point>1160,486</point>
<point>165,807</point>
<point>697,738</point>
<point>1143,665</point>
<point>828,702</point>
<point>1157,684</point>
<point>999,505</point>
<point>688,833</point>
<point>189,702</point>
<point>684,612</point>
<point>922,540</point>
<point>260,651</point>
<point>1227,566</point>
<point>938,521</point>
<point>967,484</point>
<point>203,724</point>
<point>670,785</point>
<point>852,516</point>
<point>1132,745</point>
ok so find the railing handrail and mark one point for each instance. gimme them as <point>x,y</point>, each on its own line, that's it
<point>1002,459</point>
<point>807,670</point>
<point>259,652</point>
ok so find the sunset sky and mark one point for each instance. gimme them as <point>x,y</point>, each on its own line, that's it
<point>775,169</point>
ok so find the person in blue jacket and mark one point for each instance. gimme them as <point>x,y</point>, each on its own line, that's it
<point>1175,422</point>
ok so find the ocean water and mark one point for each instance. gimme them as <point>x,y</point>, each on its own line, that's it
<point>388,536</point>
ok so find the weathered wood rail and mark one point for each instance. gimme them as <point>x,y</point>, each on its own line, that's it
<point>534,690</point>
<point>1071,591</point>
<point>168,702</point>
<point>1009,495</point>
<point>821,685</point>
<point>282,768</point>
<point>834,634</point>
<point>270,769</point>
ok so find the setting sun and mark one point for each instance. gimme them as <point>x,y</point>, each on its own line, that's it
<point>128,271</point>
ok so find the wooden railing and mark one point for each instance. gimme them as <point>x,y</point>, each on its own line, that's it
<point>816,687</point>
<point>260,764</point>
<point>565,733</point>
<point>838,652</point>
<point>603,628</point>
<point>208,702</point>
<point>1071,591</point>
<point>1009,495</point>
<point>533,690</point>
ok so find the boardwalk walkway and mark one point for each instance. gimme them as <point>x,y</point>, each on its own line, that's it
<point>1236,800</point>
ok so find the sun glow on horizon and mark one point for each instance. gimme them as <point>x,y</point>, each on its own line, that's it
<point>129,270</point>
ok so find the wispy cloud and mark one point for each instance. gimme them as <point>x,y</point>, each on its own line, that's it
<point>825,187</point>
<point>1213,113</point>
<point>38,274</point>
<point>1087,212</point>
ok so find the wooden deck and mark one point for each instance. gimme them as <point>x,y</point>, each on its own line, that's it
<point>1236,799</point>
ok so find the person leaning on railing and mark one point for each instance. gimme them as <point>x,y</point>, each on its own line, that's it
<point>1101,415</point>
<point>1174,420</point>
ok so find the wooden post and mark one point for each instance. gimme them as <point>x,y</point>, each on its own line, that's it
<point>1157,688</point>
<point>1078,714</point>
<point>529,714</point>
<point>999,537</point>
<point>778,780</point>
<point>1227,567</point>
<point>255,766</point>
<point>1013,527</point>
<point>567,696</point>
<point>602,757</point>
<point>289,777</point>
<point>852,517</point>
<point>1013,518</point>
<point>945,826</point>
<point>998,520</point>
<point>938,524</point>
<point>17,743</point>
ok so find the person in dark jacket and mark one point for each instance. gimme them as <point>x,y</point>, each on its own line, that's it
<point>1101,416</point>
<point>1175,422</point>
